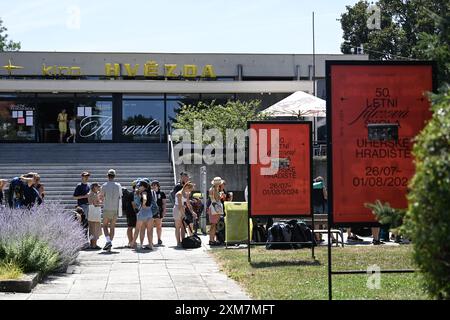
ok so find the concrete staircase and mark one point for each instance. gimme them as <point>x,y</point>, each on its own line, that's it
<point>60,165</point>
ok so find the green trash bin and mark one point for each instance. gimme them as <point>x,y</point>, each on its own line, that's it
<point>236,222</point>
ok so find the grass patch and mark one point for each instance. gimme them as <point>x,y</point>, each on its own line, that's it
<point>9,271</point>
<point>293,275</point>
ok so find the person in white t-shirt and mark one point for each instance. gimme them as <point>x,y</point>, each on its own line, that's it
<point>111,194</point>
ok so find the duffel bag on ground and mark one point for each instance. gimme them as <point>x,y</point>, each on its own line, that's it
<point>279,232</point>
<point>301,233</point>
<point>191,242</point>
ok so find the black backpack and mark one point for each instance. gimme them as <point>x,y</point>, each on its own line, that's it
<point>191,242</point>
<point>279,232</point>
<point>301,233</point>
<point>259,233</point>
<point>220,230</point>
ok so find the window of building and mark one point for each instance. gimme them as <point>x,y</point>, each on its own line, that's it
<point>17,121</point>
<point>94,120</point>
<point>143,120</point>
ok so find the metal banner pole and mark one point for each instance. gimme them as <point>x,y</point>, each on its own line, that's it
<point>204,191</point>
<point>330,286</point>
<point>248,239</point>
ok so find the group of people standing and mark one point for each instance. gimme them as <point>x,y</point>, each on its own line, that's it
<point>144,206</point>
<point>185,215</point>
<point>23,192</point>
<point>99,206</point>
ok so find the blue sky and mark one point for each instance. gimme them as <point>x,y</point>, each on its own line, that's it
<point>210,26</point>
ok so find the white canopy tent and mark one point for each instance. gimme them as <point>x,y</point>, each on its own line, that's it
<point>299,104</point>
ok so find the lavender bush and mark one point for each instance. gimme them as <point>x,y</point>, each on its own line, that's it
<point>44,238</point>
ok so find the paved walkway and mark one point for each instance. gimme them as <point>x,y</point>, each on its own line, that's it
<point>166,273</point>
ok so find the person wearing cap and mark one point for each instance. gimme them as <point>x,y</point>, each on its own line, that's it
<point>81,193</point>
<point>215,209</point>
<point>111,194</point>
<point>160,197</point>
<point>30,194</point>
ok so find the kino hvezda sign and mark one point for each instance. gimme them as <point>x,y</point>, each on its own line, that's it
<point>150,69</point>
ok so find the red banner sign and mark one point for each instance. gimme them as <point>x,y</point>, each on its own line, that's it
<point>374,112</point>
<point>280,168</point>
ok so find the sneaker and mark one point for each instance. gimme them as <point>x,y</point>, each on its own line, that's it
<point>107,246</point>
<point>159,242</point>
<point>377,242</point>
<point>354,238</point>
<point>95,248</point>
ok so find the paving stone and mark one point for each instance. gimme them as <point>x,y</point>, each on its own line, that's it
<point>123,288</point>
<point>14,296</point>
<point>51,289</point>
<point>121,296</point>
<point>166,273</point>
<point>85,296</point>
<point>47,296</point>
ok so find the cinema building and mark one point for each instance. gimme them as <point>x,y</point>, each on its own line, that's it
<point>133,97</point>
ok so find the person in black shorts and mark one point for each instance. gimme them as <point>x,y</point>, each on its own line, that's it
<point>161,202</point>
<point>130,209</point>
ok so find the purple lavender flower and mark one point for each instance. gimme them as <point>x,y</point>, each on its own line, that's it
<point>48,223</point>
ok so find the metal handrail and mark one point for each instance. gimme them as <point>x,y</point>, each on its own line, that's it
<point>172,157</point>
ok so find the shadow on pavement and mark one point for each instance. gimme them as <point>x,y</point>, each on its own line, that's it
<point>267,264</point>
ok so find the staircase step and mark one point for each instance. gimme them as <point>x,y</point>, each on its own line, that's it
<point>60,165</point>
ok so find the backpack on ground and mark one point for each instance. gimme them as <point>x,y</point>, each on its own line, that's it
<point>191,242</point>
<point>301,233</point>
<point>259,233</point>
<point>220,230</point>
<point>279,232</point>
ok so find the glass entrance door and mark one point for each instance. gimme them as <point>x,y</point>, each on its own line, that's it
<point>53,118</point>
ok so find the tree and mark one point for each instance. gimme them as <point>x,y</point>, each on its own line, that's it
<point>5,44</point>
<point>428,220</point>
<point>409,29</point>
<point>231,115</point>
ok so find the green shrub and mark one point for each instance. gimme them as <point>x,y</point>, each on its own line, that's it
<point>387,215</point>
<point>428,217</point>
<point>9,270</point>
<point>30,255</point>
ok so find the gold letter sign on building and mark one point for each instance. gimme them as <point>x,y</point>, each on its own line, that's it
<point>150,69</point>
